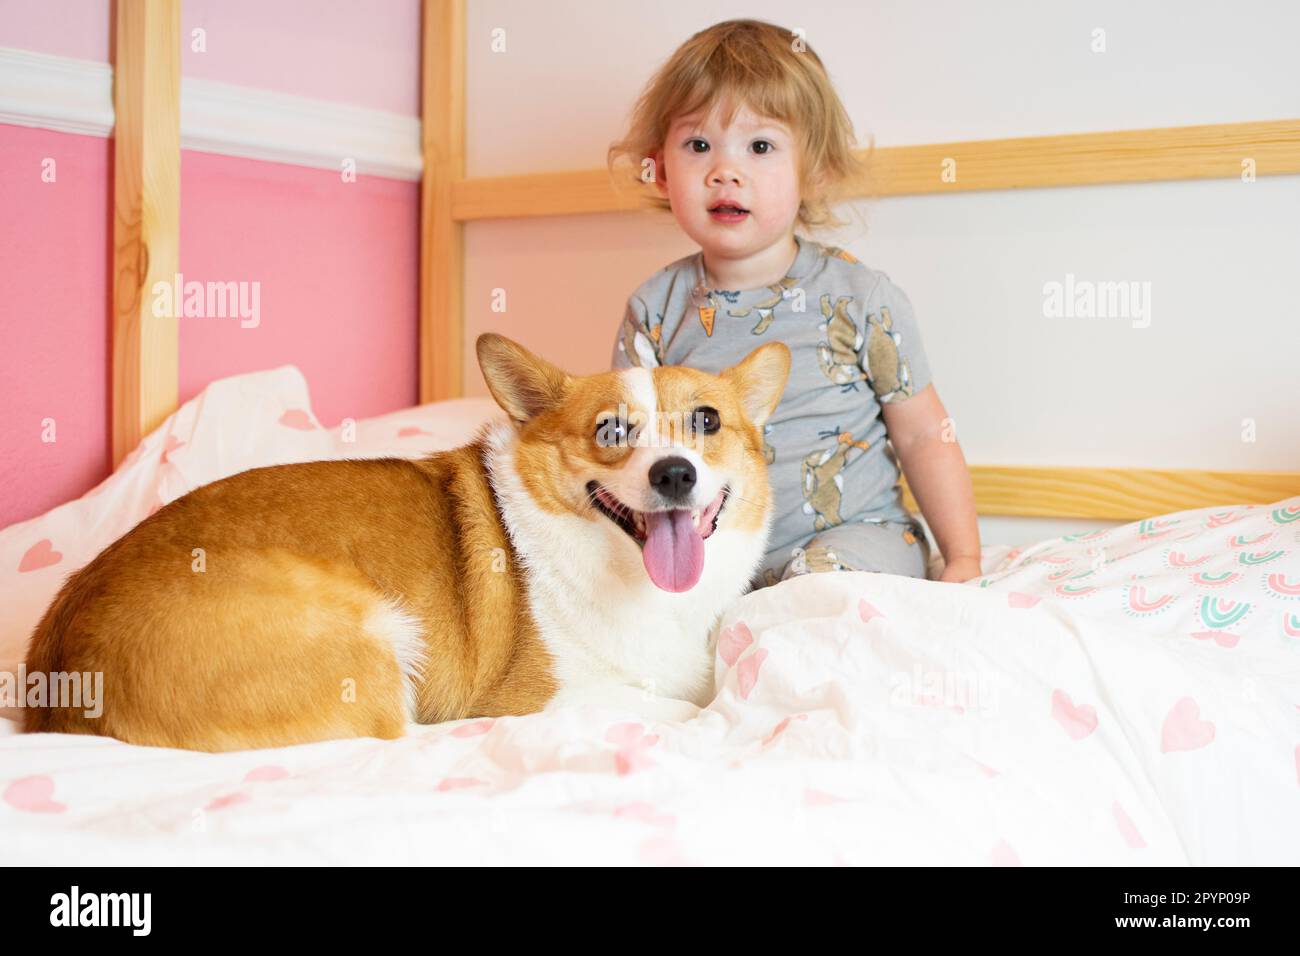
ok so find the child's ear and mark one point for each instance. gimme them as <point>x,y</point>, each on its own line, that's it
<point>661,175</point>
<point>760,379</point>
<point>522,384</point>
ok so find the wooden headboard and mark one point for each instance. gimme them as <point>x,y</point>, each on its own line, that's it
<point>147,206</point>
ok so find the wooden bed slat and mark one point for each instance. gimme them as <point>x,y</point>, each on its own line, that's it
<point>1086,159</point>
<point>538,194</point>
<point>146,217</point>
<point>442,240</point>
<point>1116,494</point>
<point>1077,159</point>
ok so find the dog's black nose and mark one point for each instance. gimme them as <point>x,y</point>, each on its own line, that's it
<point>673,478</point>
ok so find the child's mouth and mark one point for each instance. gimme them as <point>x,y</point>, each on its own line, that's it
<point>727,212</point>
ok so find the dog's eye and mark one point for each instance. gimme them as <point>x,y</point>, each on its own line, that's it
<point>611,432</point>
<point>706,420</point>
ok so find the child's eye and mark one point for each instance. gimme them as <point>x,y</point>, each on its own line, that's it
<point>767,145</point>
<point>690,143</point>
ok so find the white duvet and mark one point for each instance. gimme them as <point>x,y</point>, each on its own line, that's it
<point>1126,697</point>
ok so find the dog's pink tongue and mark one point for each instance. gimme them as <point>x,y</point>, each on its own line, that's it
<point>674,551</point>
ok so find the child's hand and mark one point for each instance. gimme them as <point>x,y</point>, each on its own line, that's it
<point>961,569</point>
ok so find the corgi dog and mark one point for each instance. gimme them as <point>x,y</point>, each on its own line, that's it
<point>579,552</point>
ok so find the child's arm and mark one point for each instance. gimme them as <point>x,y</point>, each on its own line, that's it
<point>921,433</point>
<point>635,345</point>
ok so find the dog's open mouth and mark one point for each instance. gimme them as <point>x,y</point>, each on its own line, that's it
<point>671,540</point>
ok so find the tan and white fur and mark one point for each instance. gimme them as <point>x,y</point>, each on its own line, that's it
<point>342,599</point>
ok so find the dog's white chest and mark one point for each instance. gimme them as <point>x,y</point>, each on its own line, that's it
<point>632,643</point>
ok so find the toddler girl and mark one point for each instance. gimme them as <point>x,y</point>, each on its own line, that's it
<point>744,138</point>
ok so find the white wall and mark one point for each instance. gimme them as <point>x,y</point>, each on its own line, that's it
<point>1223,343</point>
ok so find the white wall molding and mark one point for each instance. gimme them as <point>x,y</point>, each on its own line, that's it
<point>261,124</point>
<point>76,96</point>
<point>56,92</point>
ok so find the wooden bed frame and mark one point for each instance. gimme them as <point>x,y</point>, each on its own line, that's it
<point>146,96</point>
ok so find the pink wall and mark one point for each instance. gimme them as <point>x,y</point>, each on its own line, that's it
<point>76,28</point>
<point>54,309</point>
<point>337,262</point>
<point>338,268</point>
<point>366,54</point>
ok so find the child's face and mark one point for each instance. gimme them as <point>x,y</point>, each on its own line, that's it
<point>753,162</point>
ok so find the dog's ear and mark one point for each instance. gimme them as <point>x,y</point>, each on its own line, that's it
<point>759,380</point>
<point>522,384</point>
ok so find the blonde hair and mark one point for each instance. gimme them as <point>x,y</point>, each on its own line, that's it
<point>773,72</point>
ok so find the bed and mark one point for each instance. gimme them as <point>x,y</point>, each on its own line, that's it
<point>1123,696</point>
<point>1128,695</point>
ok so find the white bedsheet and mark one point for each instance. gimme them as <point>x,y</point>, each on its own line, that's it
<point>1126,697</point>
